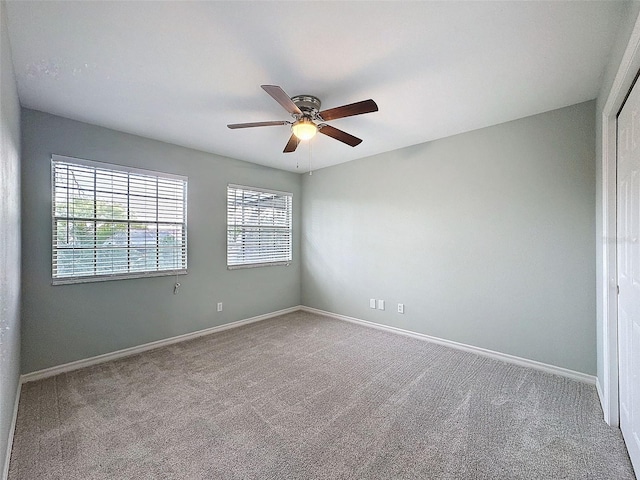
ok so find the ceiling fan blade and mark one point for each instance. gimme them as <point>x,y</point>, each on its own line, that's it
<point>258,124</point>
<point>282,98</point>
<point>292,144</point>
<point>358,108</point>
<point>344,137</point>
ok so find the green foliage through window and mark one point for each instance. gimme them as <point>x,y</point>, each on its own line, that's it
<point>110,221</point>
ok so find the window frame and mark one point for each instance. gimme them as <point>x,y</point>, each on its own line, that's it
<point>288,229</point>
<point>73,279</point>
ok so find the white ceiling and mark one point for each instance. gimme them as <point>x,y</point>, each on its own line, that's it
<point>181,71</point>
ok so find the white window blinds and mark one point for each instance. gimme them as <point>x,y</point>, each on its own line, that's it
<point>258,227</point>
<point>114,222</point>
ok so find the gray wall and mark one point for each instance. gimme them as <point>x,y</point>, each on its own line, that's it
<point>615,56</point>
<point>487,238</point>
<point>70,322</point>
<point>9,238</point>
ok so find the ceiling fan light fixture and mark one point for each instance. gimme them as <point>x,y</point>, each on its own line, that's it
<point>304,129</point>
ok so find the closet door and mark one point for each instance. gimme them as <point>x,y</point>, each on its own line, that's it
<point>628,252</point>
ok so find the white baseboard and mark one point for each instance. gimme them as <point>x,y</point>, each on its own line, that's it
<point>127,352</point>
<point>523,362</point>
<point>12,430</point>
<point>603,401</point>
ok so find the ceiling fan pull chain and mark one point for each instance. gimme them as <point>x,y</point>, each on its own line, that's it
<point>310,171</point>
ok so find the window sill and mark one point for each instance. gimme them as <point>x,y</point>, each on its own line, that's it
<point>127,276</point>
<point>258,265</point>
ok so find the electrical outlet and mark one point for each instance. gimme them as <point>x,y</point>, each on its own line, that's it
<point>219,306</point>
<point>380,304</point>
<point>401,308</point>
<point>372,303</point>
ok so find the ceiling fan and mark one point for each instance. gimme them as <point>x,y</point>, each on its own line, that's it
<point>309,119</point>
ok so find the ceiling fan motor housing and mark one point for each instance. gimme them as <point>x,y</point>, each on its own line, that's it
<point>308,104</point>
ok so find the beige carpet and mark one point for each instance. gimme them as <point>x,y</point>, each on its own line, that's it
<point>305,397</point>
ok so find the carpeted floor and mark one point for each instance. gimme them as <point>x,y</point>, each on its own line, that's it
<point>306,397</point>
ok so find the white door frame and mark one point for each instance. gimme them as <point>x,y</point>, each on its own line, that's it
<point>608,385</point>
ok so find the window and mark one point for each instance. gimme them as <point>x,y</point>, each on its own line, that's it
<point>112,222</point>
<point>258,227</point>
